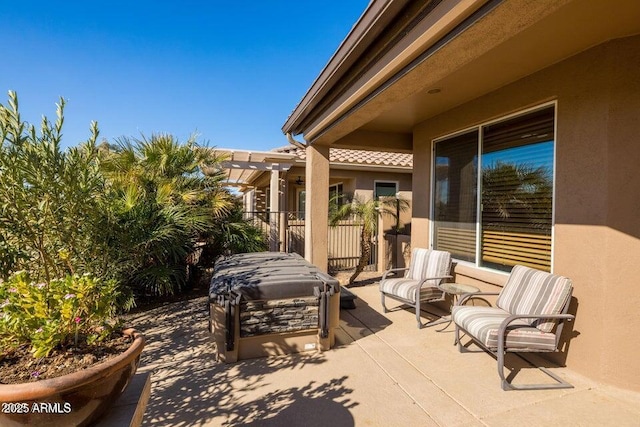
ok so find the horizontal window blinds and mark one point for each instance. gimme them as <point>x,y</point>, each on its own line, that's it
<point>515,187</point>
<point>456,196</point>
<point>517,191</point>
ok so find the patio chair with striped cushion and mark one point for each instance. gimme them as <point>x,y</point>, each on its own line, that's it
<point>428,268</point>
<point>528,317</point>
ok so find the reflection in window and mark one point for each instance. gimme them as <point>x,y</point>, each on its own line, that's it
<point>516,188</point>
<point>336,196</point>
<point>302,202</point>
<point>456,174</point>
<point>517,192</point>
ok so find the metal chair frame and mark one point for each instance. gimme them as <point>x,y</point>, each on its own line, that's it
<point>501,350</point>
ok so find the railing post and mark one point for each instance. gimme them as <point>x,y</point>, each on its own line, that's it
<point>283,226</point>
<point>381,243</point>
<point>274,207</point>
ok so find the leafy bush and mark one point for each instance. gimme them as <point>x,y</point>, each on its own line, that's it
<point>134,212</point>
<point>51,213</point>
<point>61,312</point>
<point>233,235</point>
<point>161,203</point>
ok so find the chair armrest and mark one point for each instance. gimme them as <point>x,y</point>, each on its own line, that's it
<point>393,270</point>
<point>465,297</point>
<point>506,322</point>
<point>423,281</point>
<point>513,317</point>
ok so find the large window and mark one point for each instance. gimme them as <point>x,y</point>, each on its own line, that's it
<point>508,166</point>
<point>456,194</point>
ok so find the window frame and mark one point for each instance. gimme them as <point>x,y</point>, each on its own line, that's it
<point>338,186</point>
<point>478,128</point>
<point>300,213</point>
<point>385,181</point>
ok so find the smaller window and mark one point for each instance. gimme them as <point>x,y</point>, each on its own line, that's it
<point>302,195</point>
<point>385,189</point>
<point>336,195</point>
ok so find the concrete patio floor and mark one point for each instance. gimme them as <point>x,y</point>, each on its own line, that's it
<point>382,372</point>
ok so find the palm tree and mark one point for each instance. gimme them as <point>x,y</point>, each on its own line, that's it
<point>517,197</point>
<point>161,203</point>
<point>234,235</point>
<point>367,214</point>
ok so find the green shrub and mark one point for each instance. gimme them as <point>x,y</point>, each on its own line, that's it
<point>233,235</point>
<point>52,220</point>
<point>133,212</point>
<point>161,203</point>
<point>62,312</point>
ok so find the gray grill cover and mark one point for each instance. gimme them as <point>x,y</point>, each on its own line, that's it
<point>267,276</point>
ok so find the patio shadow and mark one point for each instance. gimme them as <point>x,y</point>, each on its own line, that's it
<point>190,388</point>
<point>362,321</point>
<point>313,405</point>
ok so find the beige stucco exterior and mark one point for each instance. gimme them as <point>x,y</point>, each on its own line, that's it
<point>581,56</point>
<point>357,180</point>
<point>596,238</point>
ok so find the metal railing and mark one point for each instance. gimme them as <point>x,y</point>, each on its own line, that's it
<point>285,232</point>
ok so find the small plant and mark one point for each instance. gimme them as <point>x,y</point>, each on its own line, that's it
<point>366,213</point>
<point>63,312</point>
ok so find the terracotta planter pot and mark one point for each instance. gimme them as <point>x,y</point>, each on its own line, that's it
<point>76,399</point>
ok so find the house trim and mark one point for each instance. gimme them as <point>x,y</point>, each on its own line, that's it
<point>459,15</point>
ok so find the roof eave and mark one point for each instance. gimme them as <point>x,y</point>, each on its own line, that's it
<point>374,18</point>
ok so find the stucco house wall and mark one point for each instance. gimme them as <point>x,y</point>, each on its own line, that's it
<point>404,77</point>
<point>596,235</point>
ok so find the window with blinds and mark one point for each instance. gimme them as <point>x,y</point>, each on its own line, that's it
<point>456,195</point>
<point>511,223</point>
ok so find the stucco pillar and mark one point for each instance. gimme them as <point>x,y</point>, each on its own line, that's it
<point>274,207</point>
<point>284,188</point>
<point>316,226</point>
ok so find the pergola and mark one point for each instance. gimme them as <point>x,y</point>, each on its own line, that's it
<point>241,166</point>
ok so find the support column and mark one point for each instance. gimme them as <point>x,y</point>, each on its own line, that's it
<point>316,225</point>
<point>284,207</point>
<point>274,206</point>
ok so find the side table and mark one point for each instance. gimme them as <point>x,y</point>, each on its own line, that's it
<point>455,290</point>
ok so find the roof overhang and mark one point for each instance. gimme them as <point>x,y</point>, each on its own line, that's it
<point>389,34</point>
<point>456,52</point>
<point>373,20</point>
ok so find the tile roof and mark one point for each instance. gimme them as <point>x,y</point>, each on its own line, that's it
<point>357,157</point>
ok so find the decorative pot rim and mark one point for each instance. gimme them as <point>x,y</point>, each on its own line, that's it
<point>39,389</point>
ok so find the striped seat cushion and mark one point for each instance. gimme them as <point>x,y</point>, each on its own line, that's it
<point>428,263</point>
<point>406,288</point>
<point>530,291</point>
<point>483,323</point>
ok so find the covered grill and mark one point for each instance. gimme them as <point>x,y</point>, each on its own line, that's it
<point>270,303</point>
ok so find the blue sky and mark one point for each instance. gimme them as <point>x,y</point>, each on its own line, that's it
<point>230,71</point>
